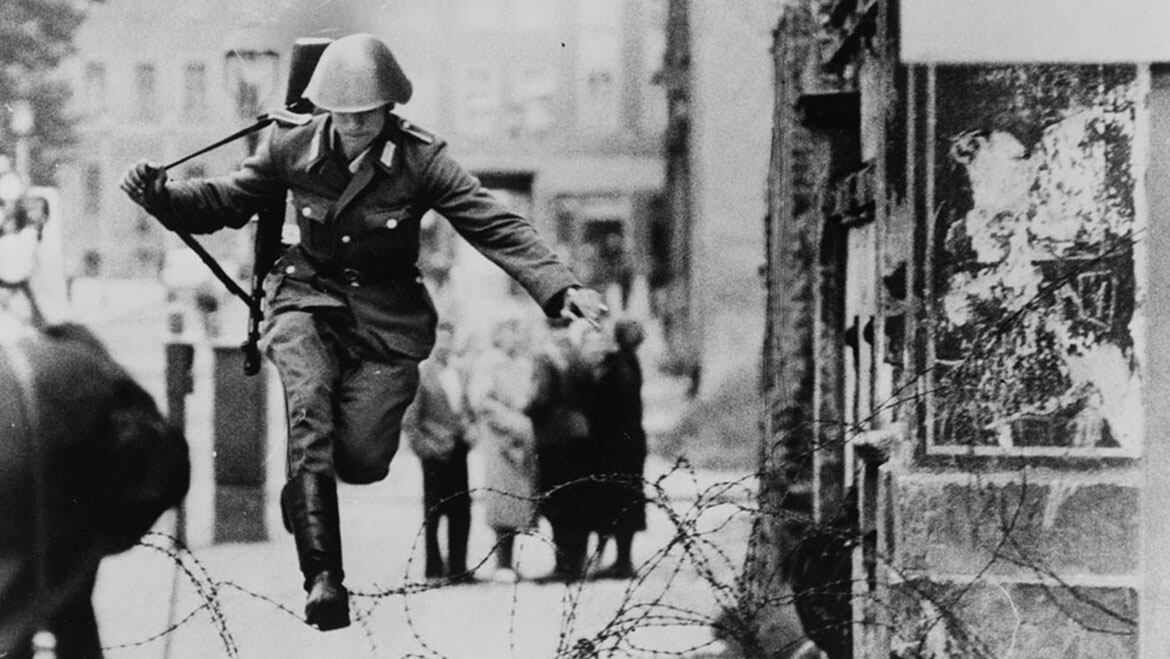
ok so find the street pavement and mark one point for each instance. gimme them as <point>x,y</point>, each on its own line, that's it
<point>245,599</point>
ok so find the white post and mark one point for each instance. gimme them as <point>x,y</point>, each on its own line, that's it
<point>22,122</point>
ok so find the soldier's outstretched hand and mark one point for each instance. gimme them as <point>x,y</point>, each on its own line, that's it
<point>585,303</point>
<point>145,184</point>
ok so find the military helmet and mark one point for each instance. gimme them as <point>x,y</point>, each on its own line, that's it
<point>355,74</point>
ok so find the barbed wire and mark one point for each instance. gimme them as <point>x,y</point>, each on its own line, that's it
<point>690,548</point>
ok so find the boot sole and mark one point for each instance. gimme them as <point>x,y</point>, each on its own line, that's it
<point>326,617</point>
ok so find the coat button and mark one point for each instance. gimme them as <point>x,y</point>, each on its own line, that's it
<point>390,224</point>
<point>307,211</point>
<point>346,239</point>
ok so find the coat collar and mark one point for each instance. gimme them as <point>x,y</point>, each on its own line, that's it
<point>381,151</point>
<point>320,143</point>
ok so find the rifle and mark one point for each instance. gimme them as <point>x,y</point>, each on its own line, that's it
<point>266,249</point>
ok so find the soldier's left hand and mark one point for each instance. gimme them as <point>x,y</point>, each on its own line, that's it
<point>585,303</point>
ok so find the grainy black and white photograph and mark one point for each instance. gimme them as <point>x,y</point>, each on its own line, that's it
<point>562,329</point>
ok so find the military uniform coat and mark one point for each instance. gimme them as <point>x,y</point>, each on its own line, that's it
<point>360,232</point>
<point>499,390</point>
<point>348,315</point>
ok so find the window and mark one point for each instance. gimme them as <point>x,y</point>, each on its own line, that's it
<point>252,78</point>
<point>145,91</point>
<point>148,260</point>
<point>195,91</point>
<point>93,189</point>
<point>653,57</point>
<point>91,263</point>
<point>94,87</point>
<point>598,83</point>
<point>478,108</point>
<point>535,97</point>
<point>599,61</point>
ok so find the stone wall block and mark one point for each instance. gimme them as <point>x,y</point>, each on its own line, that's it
<point>933,619</point>
<point>949,524</point>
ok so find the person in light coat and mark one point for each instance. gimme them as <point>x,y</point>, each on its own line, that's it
<point>499,391</point>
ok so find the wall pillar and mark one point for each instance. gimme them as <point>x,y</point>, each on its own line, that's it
<point>1154,602</point>
<point>240,440</point>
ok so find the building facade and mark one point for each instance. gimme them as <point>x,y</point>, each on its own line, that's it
<point>719,104</point>
<point>961,393</point>
<point>549,102</point>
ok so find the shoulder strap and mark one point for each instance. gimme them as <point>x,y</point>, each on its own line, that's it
<point>288,119</point>
<point>414,130</point>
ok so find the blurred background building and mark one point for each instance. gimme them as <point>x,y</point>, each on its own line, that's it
<point>718,90</point>
<point>551,104</point>
<point>561,105</point>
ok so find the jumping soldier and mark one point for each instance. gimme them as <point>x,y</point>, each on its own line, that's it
<point>349,318</point>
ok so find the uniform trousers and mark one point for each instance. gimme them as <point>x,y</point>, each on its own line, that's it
<point>345,400</point>
<point>446,494</point>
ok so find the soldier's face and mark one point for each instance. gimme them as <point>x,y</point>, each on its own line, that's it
<point>358,129</point>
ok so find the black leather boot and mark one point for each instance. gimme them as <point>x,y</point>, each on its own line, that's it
<point>309,504</point>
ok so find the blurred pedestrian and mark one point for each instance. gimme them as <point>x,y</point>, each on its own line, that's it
<point>31,211</point>
<point>436,429</point>
<point>349,317</point>
<point>499,390</point>
<point>615,422</point>
<point>565,458</point>
<point>87,465</point>
<point>19,249</point>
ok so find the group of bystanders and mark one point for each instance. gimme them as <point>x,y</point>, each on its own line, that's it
<point>557,422</point>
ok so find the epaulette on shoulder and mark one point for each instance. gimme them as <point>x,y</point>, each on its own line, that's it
<point>419,133</point>
<point>290,119</point>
